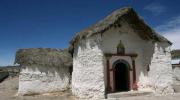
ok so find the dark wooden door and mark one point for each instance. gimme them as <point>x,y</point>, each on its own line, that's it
<point>121,78</point>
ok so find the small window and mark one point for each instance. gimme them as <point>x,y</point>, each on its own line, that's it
<point>120,48</point>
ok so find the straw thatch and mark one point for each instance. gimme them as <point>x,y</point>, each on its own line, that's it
<point>175,54</point>
<point>43,57</point>
<point>126,14</point>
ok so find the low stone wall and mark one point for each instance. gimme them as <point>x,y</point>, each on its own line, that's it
<point>11,70</point>
<point>40,79</point>
<point>176,77</point>
<point>3,75</point>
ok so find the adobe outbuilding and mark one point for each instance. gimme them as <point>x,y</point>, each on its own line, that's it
<point>43,70</point>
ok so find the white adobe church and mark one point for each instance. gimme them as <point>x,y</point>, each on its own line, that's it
<point>120,53</point>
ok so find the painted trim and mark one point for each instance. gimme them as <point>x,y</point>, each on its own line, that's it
<point>111,54</point>
<point>134,75</point>
<point>108,56</point>
<point>121,61</point>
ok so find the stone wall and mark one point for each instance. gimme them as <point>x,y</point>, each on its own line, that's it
<point>43,79</point>
<point>3,75</point>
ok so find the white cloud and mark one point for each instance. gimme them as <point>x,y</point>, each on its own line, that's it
<point>174,23</point>
<point>174,37</point>
<point>171,30</point>
<point>155,8</point>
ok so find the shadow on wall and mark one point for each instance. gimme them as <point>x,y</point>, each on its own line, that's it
<point>152,52</point>
<point>147,57</point>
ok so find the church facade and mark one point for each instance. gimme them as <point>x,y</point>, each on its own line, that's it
<point>120,53</point>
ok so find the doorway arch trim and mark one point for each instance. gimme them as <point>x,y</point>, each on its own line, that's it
<point>122,61</point>
<point>108,88</point>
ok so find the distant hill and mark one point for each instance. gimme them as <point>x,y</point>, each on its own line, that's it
<point>175,54</point>
<point>11,70</point>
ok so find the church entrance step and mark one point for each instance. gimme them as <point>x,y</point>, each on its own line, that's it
<point>128,94</point>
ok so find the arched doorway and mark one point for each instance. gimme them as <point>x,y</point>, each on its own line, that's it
<point>121,76</point>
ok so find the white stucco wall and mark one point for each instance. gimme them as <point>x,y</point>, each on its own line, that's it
<point>40,79</point>
<point>160,74</point>
<point>88,69</point>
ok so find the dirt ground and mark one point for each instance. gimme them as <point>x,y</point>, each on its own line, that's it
<point>9,87</point>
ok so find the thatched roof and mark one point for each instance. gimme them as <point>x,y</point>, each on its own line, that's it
<point>113,20</point>
<point>43,57</point>
<point>175,54</point>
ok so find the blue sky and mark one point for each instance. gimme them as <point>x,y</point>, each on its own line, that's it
<point>53,23</point>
